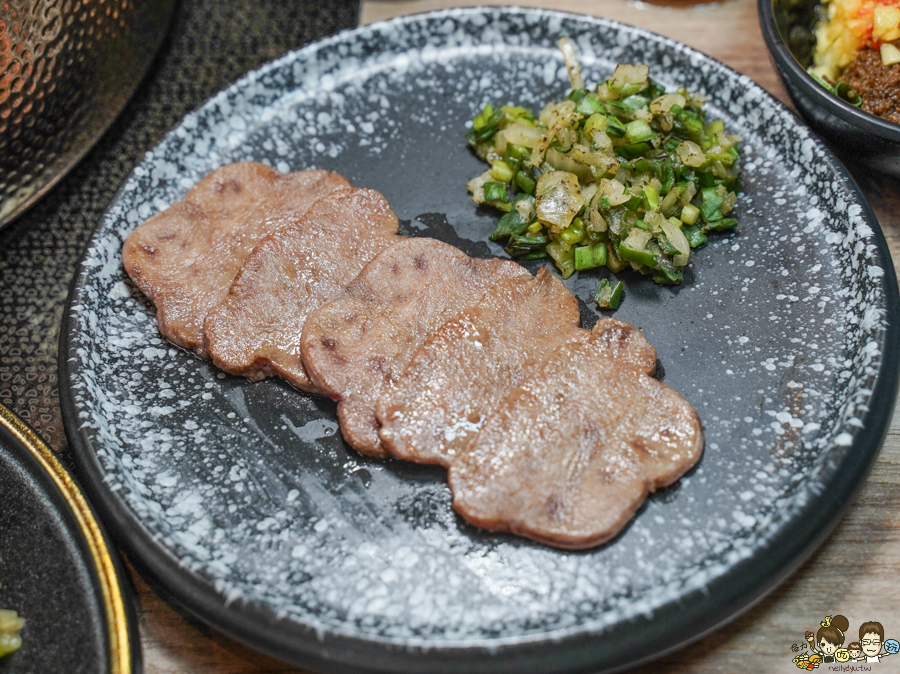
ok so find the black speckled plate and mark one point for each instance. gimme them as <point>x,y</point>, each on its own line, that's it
<point>242,500</point>
<point>56,568</point>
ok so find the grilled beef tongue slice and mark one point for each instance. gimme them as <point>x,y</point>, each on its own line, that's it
<point>185,258</point>
<point>357,345</point>
<point>255,331</point>
<point>471,363</point>
<point>569,456</point>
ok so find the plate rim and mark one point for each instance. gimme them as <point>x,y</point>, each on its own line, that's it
<point>743,585</point>
<point>121,638</point>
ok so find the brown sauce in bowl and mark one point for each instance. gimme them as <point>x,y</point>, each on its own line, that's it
<point>878,84</point>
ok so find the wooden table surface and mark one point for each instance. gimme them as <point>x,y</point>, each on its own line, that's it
<point>855,573</point>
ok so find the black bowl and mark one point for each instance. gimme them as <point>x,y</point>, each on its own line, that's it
<point>860,138</point>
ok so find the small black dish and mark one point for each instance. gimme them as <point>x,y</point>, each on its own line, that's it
<point>859,137</point>
<point>57,568</point>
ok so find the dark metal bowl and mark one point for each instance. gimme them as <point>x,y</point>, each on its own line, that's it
<point>67,69</point>
<point>859,137</point>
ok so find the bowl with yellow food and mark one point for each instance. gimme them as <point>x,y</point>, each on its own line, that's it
<point>840,63</point>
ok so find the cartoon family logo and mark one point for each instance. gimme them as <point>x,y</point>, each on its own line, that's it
<point>827,645</point>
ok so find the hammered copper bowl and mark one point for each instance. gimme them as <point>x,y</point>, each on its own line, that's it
<point>67,68</point>
<point>861,139</point>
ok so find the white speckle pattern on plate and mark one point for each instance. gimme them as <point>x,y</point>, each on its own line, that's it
<point>245,495</point>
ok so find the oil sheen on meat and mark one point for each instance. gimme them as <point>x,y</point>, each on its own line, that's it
<point>185,258</point>
<point>569,456</point>
<point>357,345</point>
<point>255,331</point>
<point>471,363</point>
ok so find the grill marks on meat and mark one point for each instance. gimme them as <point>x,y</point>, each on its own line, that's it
<point>471,363</point>
<point>569,456</point>
<point>185,258</point>
<point>255,332</point>
<point>356,346</point>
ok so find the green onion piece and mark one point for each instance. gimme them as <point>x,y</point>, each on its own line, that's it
<point>598,251</point>
<point>482,120</point>
<point>670,202</point>
<point>589,257</point>
<point>634,255</point>
<point>583,258</point>
<point>563,257</point>
<point>596,121</point>
<point>668,275</point>
<point>822,82</point>
<point>694,235</point>
<point>495,192</point>
<point>634,203</point>
<point>604,139</point>
<point>515,154</point>
<point>641,165</point>
<point>687,123</point>
<point>651,198</point>
<point>654,89</point>
<point>573,233</point>
<point>485,126</point>
<point>671,143</point>
<point>723,224</point>
<point>848,93</point>
<point>609,295</point>
<point>633,150</point>
<point>589,106</point>
<point>509,225</point>
<point>714,127</point>
<point>520,245</point>
<point>640,224</point>
<point>706,179</point>
<point>525,182</point>
<point>732,184</point>
<point>614,216</point>
<point>615,128</point>
<point>517,112</point>
<point>712,202</point>
<point>689,214</point>
<point>638,131</point>
<point>513,157</point>
<point>537,255</point>
<point>634,248</point>
<point>666,272</point>
<point>501,171</point>
<point>666,175</point>
<point>841,89</point>
<point>727,156</point>
<point>634,102</point>
<point>666,246</point>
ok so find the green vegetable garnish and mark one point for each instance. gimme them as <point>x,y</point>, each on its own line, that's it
<point>840,89</point>
<point>621,175</point>
<point>609,294</point>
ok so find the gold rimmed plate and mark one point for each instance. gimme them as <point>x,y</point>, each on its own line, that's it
<point>57,568</point>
